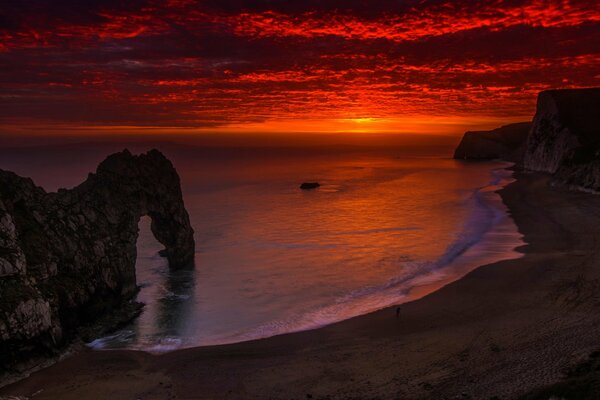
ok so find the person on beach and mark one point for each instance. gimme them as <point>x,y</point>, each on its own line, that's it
<point>397,312</point>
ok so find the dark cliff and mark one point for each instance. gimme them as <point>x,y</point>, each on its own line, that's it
<point>563,140</point>
<point>506,142</point>
<point>68,258</point>
<point>565,137</point>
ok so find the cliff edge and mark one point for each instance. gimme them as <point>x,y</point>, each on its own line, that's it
<point>563,140</point>
<point>506,142</point>
<point>68,258</point>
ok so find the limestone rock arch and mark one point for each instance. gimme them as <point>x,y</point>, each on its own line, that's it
<point>67,258</point>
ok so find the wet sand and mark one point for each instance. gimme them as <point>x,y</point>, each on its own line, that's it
<point>503,330</point>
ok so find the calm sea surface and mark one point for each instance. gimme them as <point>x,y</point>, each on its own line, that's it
<point>385,227</point>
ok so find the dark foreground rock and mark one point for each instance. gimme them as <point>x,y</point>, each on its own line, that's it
<point>68,258</point>
<point>507,143</point>
<point>565,137</point>
<point>309,185</point>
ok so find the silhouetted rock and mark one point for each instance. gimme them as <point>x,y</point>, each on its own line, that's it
<point>507,143</point>
<point>309,185</point>
<point>565,137</point>
<point>68,258</point>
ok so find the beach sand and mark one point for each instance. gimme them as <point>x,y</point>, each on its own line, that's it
<point>503,330</point>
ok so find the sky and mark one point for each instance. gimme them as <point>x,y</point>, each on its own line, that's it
<point>181,66</point>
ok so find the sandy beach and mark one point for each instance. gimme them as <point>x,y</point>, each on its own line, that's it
<point>502,331</point>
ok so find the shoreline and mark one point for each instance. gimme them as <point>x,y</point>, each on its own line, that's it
<point>502,330</point>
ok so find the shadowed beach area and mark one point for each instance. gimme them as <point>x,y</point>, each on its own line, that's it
<point>503,331</point>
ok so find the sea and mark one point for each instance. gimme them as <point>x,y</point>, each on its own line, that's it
<point>388,225</point>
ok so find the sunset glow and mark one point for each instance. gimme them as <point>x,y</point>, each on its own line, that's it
<point>434,66</point>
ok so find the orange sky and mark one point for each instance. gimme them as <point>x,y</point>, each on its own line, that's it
<point>430,66</point>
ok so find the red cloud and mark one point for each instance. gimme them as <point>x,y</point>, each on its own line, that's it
<point>182,65</point>
<point>439,20</point>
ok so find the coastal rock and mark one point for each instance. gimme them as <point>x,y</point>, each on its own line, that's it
<point>506,142</point>
<point>309,185</point>
<point>12,259</point>
<point>565,137</point>
<point>68,258</point>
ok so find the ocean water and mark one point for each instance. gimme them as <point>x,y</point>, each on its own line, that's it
<point>387,225</point>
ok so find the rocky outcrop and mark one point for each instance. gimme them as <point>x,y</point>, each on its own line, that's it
<point>310,185</point>
<point>68,258</point>
<point>507,143</point>
<point>565,137</point>
<point>563,140</point>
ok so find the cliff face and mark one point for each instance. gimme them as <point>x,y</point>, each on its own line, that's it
<point>67,258</point>
<point>507,143</point>
<point>563,140</point>
<point>565,137</point>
